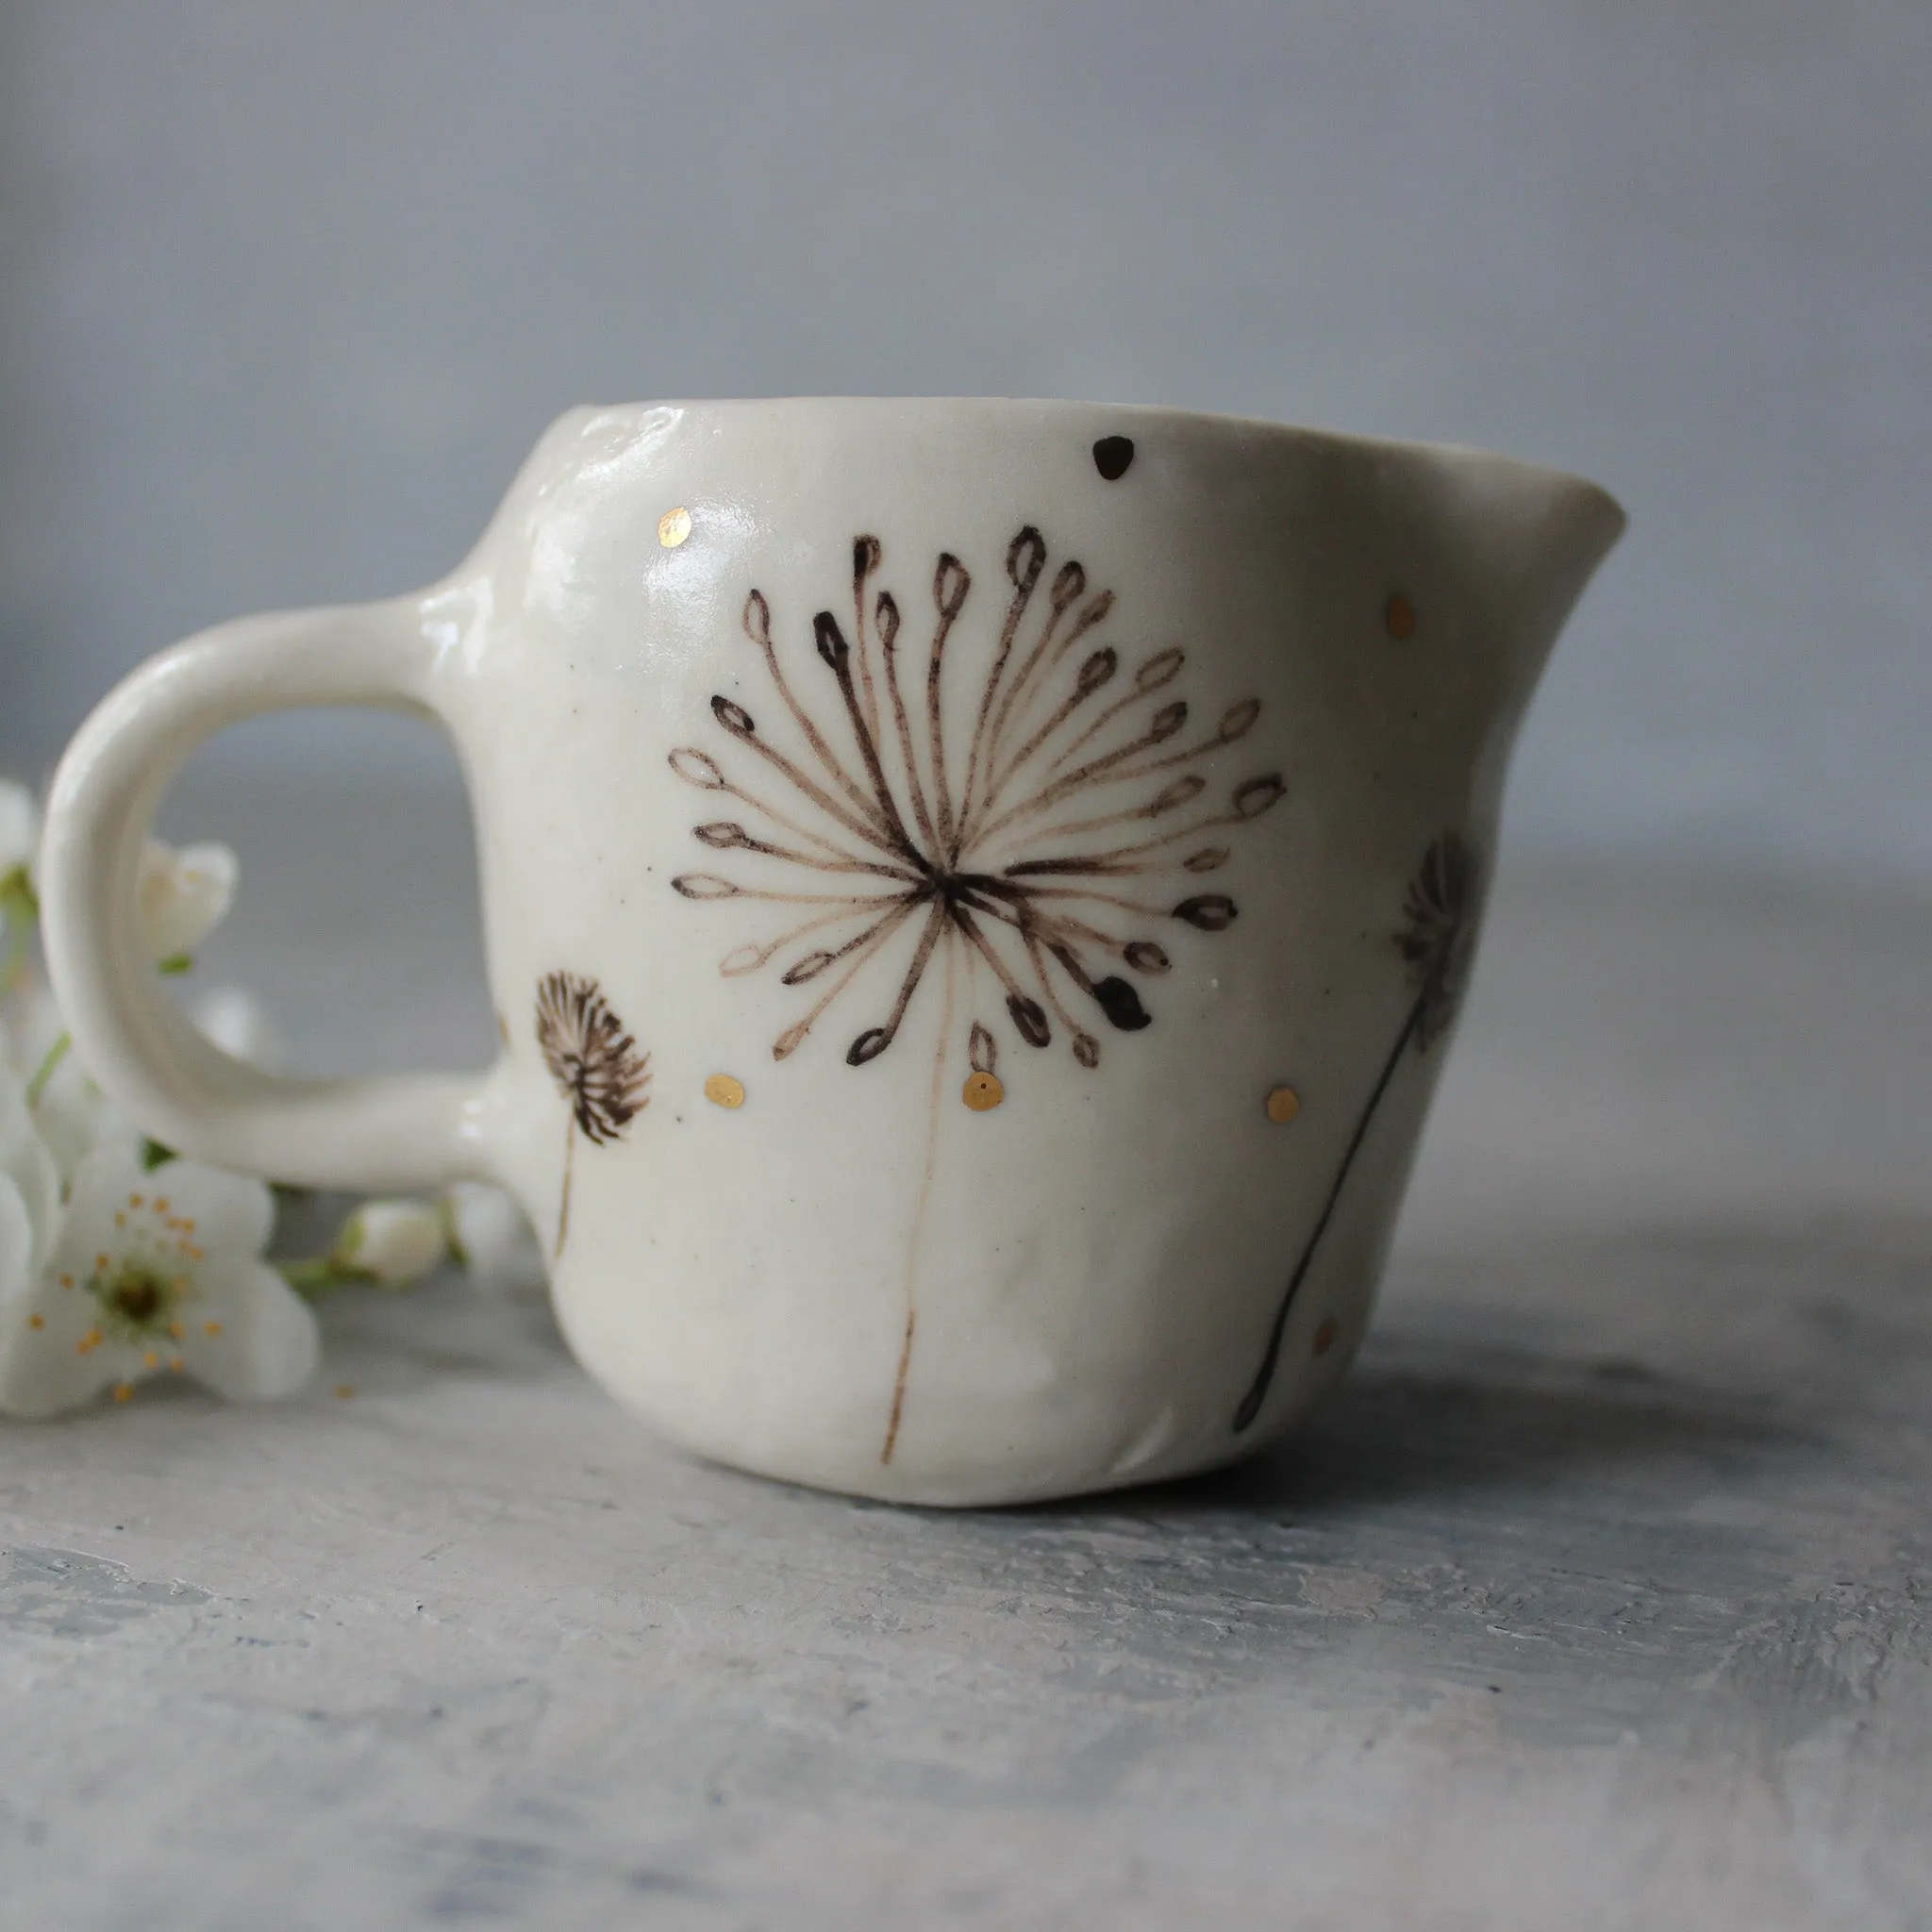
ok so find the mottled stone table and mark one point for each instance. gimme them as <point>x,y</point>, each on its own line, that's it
<point>1600,1598</point>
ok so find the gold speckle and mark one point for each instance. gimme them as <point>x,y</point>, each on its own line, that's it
<point>1284,1103</point>
<point>1324,1335</point>
<point>673,527</point>
<point>122,1391</point>
<point>176,1329</point>
<point>210,1327</point>
<point>174,1362</point>
<point>67,1281</point>
<point>343,1390</point>
<point>160,1204</point>
<point>136,1200</point>
<point>150,1361</point>
<point>725,1089</point>
<point>36,1321</point>
<point>103,1262</point>
<point>982,1093</point>
<point>1399,615</point>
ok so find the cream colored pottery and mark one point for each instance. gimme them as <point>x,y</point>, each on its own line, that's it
<point>976,895</point>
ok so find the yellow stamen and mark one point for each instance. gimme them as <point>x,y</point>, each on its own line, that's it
<point>122,1391</point>
<point>150,1361</point>
<point>176,1329</point>
<point>160,1204</point>
<point>211,1327</point>
<point>136,1200</point>
<point>36,1321</point>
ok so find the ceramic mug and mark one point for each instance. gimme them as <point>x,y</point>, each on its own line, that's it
<point>977,893</point>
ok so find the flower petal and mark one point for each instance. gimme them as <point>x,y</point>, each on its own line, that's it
<point>24,1159</point>
<point>249,1336</point>
<point>231,1215</point>
<point>43,1366</point>
<point>239,1024</point>
<point>182,896</point>
<point>20,827</point>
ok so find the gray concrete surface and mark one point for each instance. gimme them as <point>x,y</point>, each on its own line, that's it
<point>1598,1599</point>
<point>287,290</point>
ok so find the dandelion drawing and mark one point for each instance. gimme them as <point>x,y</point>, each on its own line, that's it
<point>1436,940</point>
<point>1012,801</point>
<point>595,1064</point>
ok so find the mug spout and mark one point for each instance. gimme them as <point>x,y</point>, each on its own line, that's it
<point>1534,538</point>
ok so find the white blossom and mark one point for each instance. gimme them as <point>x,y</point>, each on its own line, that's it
<point>30,1171</point>
<point>490,1237</point>
<point>392,1243</point>
<point>181,896</point>
<point>239,1024</point>
<point>151,1272</point>
<point>20,829</point>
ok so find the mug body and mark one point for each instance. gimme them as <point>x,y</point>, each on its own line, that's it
<point>975,894</point>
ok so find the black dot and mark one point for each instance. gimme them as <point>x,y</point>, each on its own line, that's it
<point>1112,455</point>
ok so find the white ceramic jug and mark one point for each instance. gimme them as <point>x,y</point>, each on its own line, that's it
<point>975,895</point>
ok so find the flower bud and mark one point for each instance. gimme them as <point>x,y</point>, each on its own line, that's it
<point>393,1243</point>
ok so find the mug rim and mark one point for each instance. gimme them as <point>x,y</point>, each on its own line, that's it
<point>1219,419</point>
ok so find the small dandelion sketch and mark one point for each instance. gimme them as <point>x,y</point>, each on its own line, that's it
<point>595,1064</point>
<point>1436,940</point>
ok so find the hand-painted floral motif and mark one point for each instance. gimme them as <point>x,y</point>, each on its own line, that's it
<point>1027,842</point>
<point>595,1064</point>
<point>1437,939</point>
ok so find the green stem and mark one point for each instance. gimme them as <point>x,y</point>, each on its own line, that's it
<point>316,1276</point>
<point>47,1068</point>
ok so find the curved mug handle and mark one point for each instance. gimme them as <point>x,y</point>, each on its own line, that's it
<point>368,1135</point>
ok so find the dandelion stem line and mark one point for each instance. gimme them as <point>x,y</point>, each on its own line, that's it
<point>1270,1357</point>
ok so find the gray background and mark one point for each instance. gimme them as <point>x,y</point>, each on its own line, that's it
<point>289,289</point>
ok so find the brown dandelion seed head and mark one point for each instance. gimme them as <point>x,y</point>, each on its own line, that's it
<point>1095,671</point>
<point>1182,791</point>
<point>1013,842</point>
<point>983,1050</point>
<point>1166,722</point>
<point>1253,796</point>
<point>1159,670</point>
<point>1438,933</point>
<point>757,619</point>
<point>1208,911</point>
<point>1069,584</point>
<point>1026,557</point>
<point>1239,720</point>
<point>697,768</point>
<point>593,1061</point>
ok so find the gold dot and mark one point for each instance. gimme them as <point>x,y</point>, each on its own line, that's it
<point>1284,1103</point>
<point>36,1321</point>
<point>210,1327</point>
<point>1324,1335</point>
<point>982,1093</point>
<point>725,1089</point>
<point>1399,615</point>
<point>150,1361</point>
<point>122,1391</point>
<point>673,527</point>
<point>343,1390</point>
